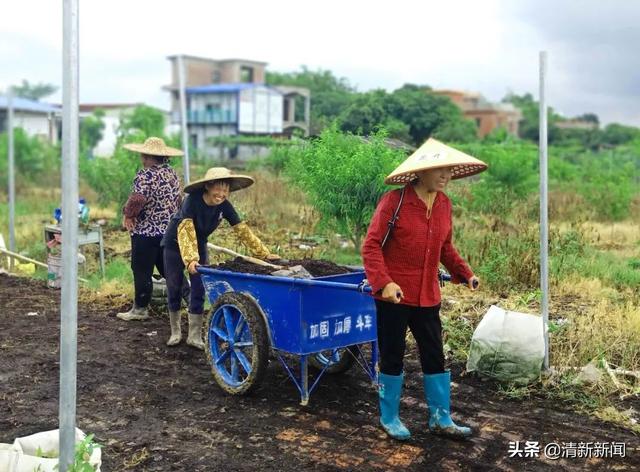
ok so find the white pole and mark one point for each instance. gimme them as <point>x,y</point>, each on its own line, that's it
<point>544,208</point>
<point>69,294</point>
<point>12,176</point>
<point>183,120</point>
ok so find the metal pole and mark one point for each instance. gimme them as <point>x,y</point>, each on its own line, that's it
<point>69,294</point>
<point>183,120</point>
<point>544,208</point>
<point>12,176</point>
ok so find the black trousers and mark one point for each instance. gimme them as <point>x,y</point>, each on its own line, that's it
<point>178,287</point>
<point>146,254</point>
<point>424,323</point>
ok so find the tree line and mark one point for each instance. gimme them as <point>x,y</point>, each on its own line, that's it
<point>412,113</point>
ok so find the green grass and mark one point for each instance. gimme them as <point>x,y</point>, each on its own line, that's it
<point>117,269</point>
<point>29,205</point>
<point>31,213</point>
<point>347,256</point>
<point>615,270</point>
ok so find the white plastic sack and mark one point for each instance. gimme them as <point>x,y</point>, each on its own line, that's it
<point>8,457</point>
<point>21,456</point>
<point>508,346</point>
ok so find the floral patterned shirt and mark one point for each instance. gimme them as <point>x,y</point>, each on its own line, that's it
<point>160,187</point>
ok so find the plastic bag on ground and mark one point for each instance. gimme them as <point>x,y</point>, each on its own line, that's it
<point>22,455</point>
<point>8,457</point>
<point>508,346</point>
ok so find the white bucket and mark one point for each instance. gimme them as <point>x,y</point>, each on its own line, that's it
<point>54,271</point>
<point>159,294</point>
<point>159,288</point>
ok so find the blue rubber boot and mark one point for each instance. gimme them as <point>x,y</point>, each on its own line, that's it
<point>437,389</point>
<point>389,393</point>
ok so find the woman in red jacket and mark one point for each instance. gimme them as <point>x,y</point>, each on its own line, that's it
<point>409,236</point>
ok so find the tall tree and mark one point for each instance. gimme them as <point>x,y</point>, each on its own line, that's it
<point>428,114</point>
<point>589,118</point>
<point>369,112</point>
<point>33,91</point>
<point>530,122</point>
<point>91,131</point>
<point>615,134</point>
<point>330,95</point>
<point>147,120</point>
<point>410,113</point>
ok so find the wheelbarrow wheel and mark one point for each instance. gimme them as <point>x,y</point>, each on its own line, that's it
<point>338,363</point>
<point>236,343</point>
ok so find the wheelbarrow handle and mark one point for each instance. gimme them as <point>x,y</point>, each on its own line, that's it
<point>442,276</point>
<point>366,288</point>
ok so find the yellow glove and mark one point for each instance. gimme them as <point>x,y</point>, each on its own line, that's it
<point>250,240</point>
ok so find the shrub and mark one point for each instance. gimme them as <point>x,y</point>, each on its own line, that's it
<point>34,158</point>
<point>343,176</point>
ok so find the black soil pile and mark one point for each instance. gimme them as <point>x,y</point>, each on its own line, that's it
<point>316,267</point>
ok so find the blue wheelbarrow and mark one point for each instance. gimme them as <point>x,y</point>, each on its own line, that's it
<point>323,322</point>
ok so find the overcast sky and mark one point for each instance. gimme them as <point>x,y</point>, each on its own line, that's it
<point>489,46</point>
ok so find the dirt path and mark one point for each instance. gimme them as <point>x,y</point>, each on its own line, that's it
<point>155,408</point>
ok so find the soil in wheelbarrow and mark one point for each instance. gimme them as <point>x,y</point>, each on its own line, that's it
<point>316,267</point>
<point>157,408</point>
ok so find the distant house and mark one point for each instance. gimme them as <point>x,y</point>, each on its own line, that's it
<point>487,116</point>
<point>113,113</point>
<point>229,98</point>
<point>232,109</point>
<point>35,118</point>
<point>574,123</point>
<point>295,109</point>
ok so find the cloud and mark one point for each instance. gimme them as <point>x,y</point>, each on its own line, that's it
<point>490,46</point>
<point>593,60</point>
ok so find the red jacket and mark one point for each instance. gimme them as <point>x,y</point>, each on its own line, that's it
<point>414,250</point>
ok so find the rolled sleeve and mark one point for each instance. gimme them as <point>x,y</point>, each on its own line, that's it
<point>135,204</point>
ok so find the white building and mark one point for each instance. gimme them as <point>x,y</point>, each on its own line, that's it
<point>35,118</point>
<point>232,109</point>
<point>113,115</point>
<point>229,97</point>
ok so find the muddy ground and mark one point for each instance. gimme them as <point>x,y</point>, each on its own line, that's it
<point>156,408</point>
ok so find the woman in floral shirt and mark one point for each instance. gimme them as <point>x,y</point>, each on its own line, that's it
<point>154,199</point>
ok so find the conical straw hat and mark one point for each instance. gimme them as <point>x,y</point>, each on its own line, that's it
<point>236,181</point>
<point>154,147</point>
<point>434,155</point>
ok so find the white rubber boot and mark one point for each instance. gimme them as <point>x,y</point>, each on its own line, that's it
<point>176,330</point>
<point>135,314</point>
<point>195,331</point>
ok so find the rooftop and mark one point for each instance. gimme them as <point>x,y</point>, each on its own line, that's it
<point>225,88</point>
<point>25,104</point>
<point>107,106</point>
<point>208,59</point>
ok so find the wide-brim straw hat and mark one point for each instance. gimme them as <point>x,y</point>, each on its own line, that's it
<point>434,155</point>
<point>236,181</point>
<point>154,147</point>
